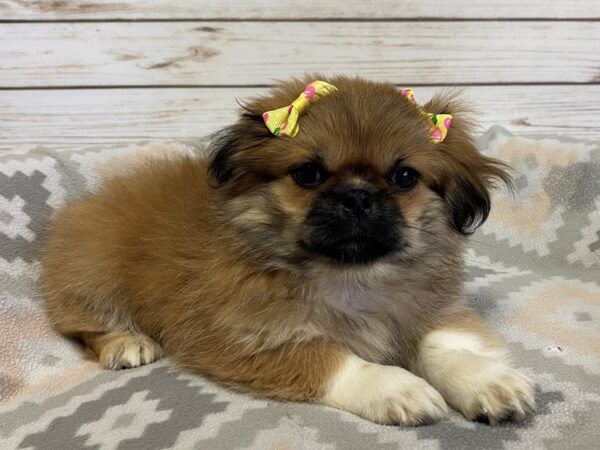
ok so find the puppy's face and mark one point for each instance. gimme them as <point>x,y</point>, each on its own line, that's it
<point>361,182</point>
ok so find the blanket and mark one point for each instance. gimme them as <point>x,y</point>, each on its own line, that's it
<point>533,273</point>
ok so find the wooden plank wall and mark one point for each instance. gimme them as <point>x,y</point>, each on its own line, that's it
<point>73,72</point>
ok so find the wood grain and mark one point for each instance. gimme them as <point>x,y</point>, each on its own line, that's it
<point>77,117</point>
<point>251,53</point>
<point>293,9</point>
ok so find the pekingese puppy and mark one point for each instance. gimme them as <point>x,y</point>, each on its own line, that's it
<point>314,256</point>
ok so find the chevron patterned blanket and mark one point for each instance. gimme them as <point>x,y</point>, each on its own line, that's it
<point>533,272</point>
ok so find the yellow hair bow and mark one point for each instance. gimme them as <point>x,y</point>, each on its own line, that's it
<point>284,121</point>
<point>438,123</point>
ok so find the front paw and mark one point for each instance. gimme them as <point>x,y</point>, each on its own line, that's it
<point>129,350</point>
<point>494,393</point>
<point>385,394</point>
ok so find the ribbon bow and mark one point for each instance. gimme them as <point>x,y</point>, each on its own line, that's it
<point>284,121</point>
<point>438,123</point>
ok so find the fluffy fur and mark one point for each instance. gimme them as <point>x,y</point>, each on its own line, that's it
<point>230,266</point>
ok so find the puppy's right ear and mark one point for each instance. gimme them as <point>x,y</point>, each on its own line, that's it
<point>230,146</point>
<point>221,150</point>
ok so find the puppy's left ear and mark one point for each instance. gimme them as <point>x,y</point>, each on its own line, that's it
<point>467,176</point>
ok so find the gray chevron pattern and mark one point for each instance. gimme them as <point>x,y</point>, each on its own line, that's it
<point>533,272</point>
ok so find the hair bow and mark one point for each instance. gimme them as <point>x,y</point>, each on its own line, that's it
<point>284,121</point>
<point>438,123</point>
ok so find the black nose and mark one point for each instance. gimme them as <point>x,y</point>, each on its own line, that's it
<point>357,200</point>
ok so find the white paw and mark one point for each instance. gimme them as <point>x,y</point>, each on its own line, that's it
<point>128,351</point>
<point>492,393</point>
<point>384,394</point>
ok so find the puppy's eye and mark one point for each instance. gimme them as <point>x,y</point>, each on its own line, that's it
<point>404,177</point>
<point>309,174</point>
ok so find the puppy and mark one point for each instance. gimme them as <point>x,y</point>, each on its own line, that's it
<point>322,266</point>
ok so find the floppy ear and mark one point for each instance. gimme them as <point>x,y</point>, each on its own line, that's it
<point>467,192</point>
<point>468,176</point>
<point>228,146</point>
<point>234,158</point>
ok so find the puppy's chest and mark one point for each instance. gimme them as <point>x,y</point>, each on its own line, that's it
<point>354,298</point>
<point>366,313</point>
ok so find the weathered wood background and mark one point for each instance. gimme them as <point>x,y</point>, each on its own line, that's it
<point>73,72</point>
